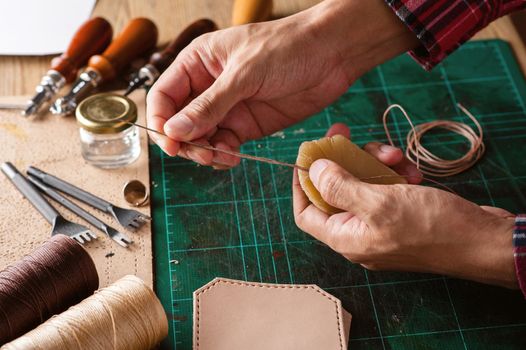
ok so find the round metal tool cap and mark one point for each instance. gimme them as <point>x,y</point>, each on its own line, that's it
<point>135,193</point>
<point>106,113</point>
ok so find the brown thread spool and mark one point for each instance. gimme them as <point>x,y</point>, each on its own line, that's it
<point>124,316</point>
<point>56,275</point>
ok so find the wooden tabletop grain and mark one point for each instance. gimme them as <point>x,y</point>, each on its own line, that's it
<point>20,75</point>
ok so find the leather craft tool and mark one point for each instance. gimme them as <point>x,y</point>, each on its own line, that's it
<point>60,225</point>
<point>137,38</point>
<point>161,60</point>
<point>232,153</point>
<point>131,219</point>
<point>90,39</point>
<point>135,193</point>
<point>250,11</point>
<point>117,236</point>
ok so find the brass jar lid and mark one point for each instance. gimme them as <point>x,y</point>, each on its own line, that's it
<point>106,113</point>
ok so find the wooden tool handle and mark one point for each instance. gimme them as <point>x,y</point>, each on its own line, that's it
<point>91,38</point>
<point>249,11</point>
<point>137,38</point>
<point>161,60</point>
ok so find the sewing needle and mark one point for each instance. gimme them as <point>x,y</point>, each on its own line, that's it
<point>232,153</point>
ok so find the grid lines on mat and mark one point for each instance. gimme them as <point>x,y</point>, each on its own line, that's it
<point>239,223</point>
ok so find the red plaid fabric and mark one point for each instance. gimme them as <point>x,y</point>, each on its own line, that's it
<point>443,25</point>
<point>519,251</point>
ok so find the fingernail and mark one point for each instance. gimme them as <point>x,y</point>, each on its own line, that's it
<point>164,146</point>
<point>315,170</point>
<point>387,148</point>
<point>194,155</point>
<point>153,137</point>
<point>180,125</point>
<point>199,155</point>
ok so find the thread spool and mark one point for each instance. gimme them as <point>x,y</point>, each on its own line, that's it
<point>126,315</point>
<point>58,274</point>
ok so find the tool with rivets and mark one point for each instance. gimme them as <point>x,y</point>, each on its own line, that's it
<point>159,61</point>
<point>137,38</point>
<point>90,39</point>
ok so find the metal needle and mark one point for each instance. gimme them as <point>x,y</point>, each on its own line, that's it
<point>232,153</point>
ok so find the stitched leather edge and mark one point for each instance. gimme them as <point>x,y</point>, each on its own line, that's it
<point>218,280</point>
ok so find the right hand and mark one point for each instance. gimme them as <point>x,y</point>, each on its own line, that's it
<point>406,227</point>
<point>241,84</point>
<point>246,82</point>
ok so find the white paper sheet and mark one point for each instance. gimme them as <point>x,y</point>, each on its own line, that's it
<point>40,27</point>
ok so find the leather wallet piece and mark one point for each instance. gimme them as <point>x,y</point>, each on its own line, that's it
<point>230,314</point>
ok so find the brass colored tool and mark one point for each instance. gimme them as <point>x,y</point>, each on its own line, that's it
<point>90,39</point>
<point>250,11</point>
<point>137,38</point>
<point>135,193</point>
<point>232,153</point>
<point>161,60</point>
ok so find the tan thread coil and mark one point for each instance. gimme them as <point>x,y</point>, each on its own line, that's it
<point>125,315</point>
<point>427,162</point>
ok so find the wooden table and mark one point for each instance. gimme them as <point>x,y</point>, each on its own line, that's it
<point>20,75</point>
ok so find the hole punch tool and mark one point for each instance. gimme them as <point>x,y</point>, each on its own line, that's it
<point>59,224</point>
<point>117,236</point>
<point>128,218</point>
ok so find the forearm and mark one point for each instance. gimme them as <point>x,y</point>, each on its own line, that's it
<point>363,34</point>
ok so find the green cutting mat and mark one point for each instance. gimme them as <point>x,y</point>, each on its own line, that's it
<point>239,223</point>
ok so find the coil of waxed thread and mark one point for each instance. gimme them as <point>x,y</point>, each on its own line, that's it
<point>56,275</point>
<point>123,316</point>
<point>431,164</point>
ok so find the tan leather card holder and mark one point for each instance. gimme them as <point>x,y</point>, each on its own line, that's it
<point>230,315</point>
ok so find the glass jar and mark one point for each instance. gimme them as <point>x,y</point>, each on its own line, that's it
<point>106,138</point>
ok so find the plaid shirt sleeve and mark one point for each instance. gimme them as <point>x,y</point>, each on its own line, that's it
<point>519,251</point>
<point>443,25</point>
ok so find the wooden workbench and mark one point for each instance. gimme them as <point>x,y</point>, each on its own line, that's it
<point>21,74</point>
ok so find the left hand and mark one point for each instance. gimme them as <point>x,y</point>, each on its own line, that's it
<point>407,227</point>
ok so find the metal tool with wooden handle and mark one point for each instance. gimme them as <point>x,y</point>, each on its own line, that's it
<point>250,11</point>
<point>90,39</point>
<point>160,60</point>
<point>137,38</point>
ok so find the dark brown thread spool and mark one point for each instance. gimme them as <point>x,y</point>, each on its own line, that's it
<point>56,275</point>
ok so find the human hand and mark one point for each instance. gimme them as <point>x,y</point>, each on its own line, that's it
<point>246,82</point>
<point>407,227</point>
